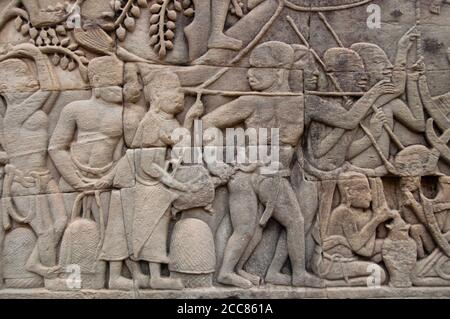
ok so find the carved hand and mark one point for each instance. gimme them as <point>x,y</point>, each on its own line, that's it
<point>384,87</point>
<point>410,200</point>
<point>384,213</point>
<point>406,41</point>
<point>376,123</point>
<point>196,111</point>
<point>418,69</point>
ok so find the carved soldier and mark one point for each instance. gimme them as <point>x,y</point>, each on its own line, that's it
<point>304,62</point>
<point>362,153</point>
<point>30,194</point>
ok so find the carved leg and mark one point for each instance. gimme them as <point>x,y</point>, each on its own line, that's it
<point>356,273</point>
<point>58,212</point>
<point>218,39</point>
<point>158,282</point>
<point>116,280</point>
<point>243,212</point>
<point>288,214</point>
<point>256,239</point>
<point>43,258</point>
<point>274,275</point>
<point>136,271</point>
<point>34,264</point>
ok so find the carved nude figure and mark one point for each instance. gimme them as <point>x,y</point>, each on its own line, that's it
<point>269,73</point>
<point>25,140</point>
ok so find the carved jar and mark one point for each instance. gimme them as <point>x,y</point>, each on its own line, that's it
<point>399,255</point>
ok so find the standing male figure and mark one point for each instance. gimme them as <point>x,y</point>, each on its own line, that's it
<point>87,143</point>
<point>270,63</point>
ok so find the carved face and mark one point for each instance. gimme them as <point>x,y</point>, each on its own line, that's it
<point>359,194</point>
<point>311,72</point>
<point>352,81</point>
<point>261,79</point>
<point>377,65</point>
<point>170,101</point>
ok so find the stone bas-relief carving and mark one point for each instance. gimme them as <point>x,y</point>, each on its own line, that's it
<point>147,182</point>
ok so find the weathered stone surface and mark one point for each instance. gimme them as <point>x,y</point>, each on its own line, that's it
<point>224,148</point>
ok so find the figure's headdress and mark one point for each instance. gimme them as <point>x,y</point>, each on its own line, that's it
<point>106,71</point>
<point>342,60</point>
<point>272,54</point>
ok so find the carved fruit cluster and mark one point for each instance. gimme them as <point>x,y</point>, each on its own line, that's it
<point>127,11</point>
<point>53,41</point>
<point>163,23</point>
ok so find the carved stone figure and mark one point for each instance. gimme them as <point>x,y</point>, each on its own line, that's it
<point>87,143</point>
<point>30,194</point>
<point>351,233</point>
<point>155,189</point>
<point>268,74</point>
<point>224,146</point>
<point>362,152</point>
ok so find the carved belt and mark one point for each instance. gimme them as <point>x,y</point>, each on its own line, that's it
<point>100,171</point>
<point>39,180</point>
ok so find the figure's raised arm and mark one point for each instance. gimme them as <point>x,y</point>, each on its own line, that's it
<point>335,115</point>
<point>230,114</point>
